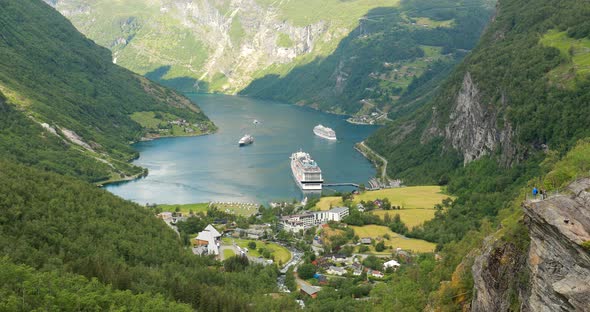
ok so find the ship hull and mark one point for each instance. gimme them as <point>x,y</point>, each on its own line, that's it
<point>321,135</point>
<point>315,186</point>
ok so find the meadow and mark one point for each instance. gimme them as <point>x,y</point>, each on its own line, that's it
<point>281,254</point>
<point>240,209</point>
<point>395,241</point>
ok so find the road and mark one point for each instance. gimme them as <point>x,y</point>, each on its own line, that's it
<point>384,168</point>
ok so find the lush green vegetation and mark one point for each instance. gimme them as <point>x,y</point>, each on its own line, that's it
<point>26,289</point>
<point>269,250</point>
<point>382,60</point>
<point>57,224</point>
<point>53,74</point>
<point>512,68</point>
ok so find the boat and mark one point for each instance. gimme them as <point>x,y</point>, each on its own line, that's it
<point>324,132</point>
<point>256,121</point>
<point>246,140</point>
<point>306,172</point>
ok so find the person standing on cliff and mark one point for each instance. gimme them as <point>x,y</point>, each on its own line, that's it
<point>535,192</point>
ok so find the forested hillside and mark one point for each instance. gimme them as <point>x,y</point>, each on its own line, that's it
<point>56,224</point>
<point>496,128</point>
<point>52,76</point>
<point>392,60</point>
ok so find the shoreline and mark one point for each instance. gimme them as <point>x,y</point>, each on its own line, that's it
<point>145,171</point>
<point>365,150</point>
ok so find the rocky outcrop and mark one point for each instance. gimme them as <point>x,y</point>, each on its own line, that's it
<point>560,266</point>
<point>472,128</point>
<point>496,276</point>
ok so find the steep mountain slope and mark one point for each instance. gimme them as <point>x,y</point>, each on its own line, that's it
<point>215,45</point>
<point>495,129</point>
<point>395,56</point>
<point>60,88</point>
<point>518,93</point>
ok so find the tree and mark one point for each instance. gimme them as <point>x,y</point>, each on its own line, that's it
<point>236,264</point>
<point>306,271</point>
<point>252,245</point>
<point>380,246</point>
<point>290,282</point>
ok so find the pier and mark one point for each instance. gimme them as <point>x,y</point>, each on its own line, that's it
<point>341,184</point>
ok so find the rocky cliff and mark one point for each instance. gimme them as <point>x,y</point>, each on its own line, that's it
<point>215,45</point>
<point>559,265</point>
<point>553,273</point>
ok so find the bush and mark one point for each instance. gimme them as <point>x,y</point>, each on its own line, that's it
<point>252,245</point>
<point>306,271</point>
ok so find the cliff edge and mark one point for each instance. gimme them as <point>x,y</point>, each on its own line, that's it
<point>559,265</point>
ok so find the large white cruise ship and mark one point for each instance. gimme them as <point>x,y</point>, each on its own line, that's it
<point>324,132</point>
<point>306,172</point>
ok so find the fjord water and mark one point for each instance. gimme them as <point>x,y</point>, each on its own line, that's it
<point>214,168</point>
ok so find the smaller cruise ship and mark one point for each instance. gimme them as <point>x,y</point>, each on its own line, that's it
<point>324,132</point>
<point>246,140</point>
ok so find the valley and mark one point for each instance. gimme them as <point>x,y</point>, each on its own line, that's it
<point>468,189</point>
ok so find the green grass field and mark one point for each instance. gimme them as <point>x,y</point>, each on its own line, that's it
<point>396,241</point>
<point>241,209</point>
<point>411,217</point>
<point>412,197</point>
<point>281,254</point>
<point>227,253</point>
<point>576,51</point>
<point>186,209</point>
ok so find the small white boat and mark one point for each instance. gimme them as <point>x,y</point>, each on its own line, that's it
<point>246,140</point>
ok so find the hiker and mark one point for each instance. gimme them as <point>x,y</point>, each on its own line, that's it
<point>543,194</point>
<point>535,192</point>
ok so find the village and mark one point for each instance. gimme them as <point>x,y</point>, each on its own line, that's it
<point>316,244</point>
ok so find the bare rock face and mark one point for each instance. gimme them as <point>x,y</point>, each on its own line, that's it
<point>239,37</point>
<point>472,128</point>
<point>560,267</point>
<point>496,275</point>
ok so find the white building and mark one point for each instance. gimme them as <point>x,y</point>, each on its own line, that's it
<point>209,237</point>
<point>391,264</point>
<point>295,223</point>
<point>334,270</point>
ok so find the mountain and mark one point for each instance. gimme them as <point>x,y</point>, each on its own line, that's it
<point>391,62</point>
<point>215,45</point>
<point>348,57</point>
<point>77,110</point>
<point>521,91</point>
<point>512,116</point>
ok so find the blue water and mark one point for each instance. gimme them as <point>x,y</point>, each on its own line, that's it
<point>214,168</point>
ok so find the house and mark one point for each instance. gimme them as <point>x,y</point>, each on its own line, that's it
<point>309,290</point>
<point>375,273</point>
<point>339,258</point>
<point>334,270</point>
<point>366,240</point>
<point>360,208</point>
<point>391,264</point>
<point>209,238</point>
<point>322,279</point>
<point>166,216</point>
<point>357,272</point>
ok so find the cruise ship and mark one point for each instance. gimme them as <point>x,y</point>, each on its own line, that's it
<point>306,172</point>
<point>324,132</point>
<point>246,140</point>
